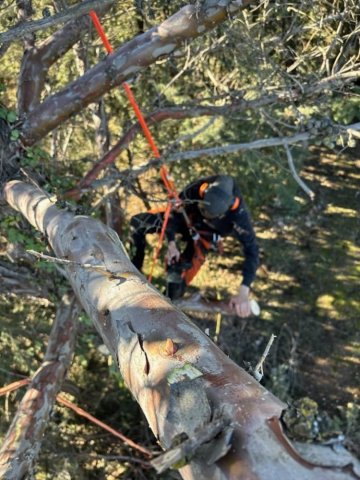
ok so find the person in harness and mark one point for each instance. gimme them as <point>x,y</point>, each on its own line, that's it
<point>211,208</point>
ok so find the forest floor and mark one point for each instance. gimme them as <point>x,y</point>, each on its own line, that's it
<point>307,287</point>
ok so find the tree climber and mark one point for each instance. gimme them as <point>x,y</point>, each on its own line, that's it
<point>215,208</point>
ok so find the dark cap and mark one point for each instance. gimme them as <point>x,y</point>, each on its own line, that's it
<point>218,196</point>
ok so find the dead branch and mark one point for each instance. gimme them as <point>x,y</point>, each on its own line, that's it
<point>197,304</point>
<point>295,175</point>
<point>187,111</point>
<point>23,440</point>
<point>181,388</point>
<point>70,13</point>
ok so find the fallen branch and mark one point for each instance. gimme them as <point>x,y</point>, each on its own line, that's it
<point>258,371</point>
<point>23,439</point>
<point>177,374</point>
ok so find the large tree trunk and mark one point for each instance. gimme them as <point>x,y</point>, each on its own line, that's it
<point>181,380</point>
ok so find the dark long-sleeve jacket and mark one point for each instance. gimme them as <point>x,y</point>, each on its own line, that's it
<point>236,223</point>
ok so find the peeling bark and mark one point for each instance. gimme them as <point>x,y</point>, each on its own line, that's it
<point>125,62</point>
<point>23,440</point>
<point>181,380</point>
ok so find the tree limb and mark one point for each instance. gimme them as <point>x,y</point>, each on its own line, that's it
<point>125,62</point>
<point>179,389</point>
<point>23,440</point>
<point>38,59</point>
<point>22,30</point>
<point>187,111</point>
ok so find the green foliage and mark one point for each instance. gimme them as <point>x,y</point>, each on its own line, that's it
<point>10,228</point>
<point>347,112</point>
<point>309,274</point>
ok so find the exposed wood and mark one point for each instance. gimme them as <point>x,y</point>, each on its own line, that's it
<point>25,435</point>
<point>182,390</point>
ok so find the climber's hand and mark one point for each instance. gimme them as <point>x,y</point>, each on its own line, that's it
<point>241,303</point>
<point>173,254</point>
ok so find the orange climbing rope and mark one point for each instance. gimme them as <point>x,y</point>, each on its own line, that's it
<point>168,182</point>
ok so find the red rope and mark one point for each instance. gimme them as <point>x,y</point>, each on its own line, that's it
<point>26,381</point>
<point>126,87</point>
<point>169,184</point>
<point>100,31</point>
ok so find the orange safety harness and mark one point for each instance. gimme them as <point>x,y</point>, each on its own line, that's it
<point>173,197</point>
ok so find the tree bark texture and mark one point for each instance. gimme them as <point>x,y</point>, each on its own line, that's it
<point>128,60</point>
<point>38,59</point>
<point>23,440</point>
<point>180,378</point>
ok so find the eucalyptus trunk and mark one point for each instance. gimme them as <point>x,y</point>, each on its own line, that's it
<point>183,382</point>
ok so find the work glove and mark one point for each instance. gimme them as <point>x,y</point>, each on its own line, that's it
<point>173,254</point>
<point>241,303</point>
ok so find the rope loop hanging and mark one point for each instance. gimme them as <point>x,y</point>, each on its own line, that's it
<point>168,182</point>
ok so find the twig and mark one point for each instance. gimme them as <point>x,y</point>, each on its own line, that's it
<point>14,386</point>
<point>294,173</point>
<point>64,261</point>
<point>218,327</point>
<point>258,372</point>
<point>122,276</point>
